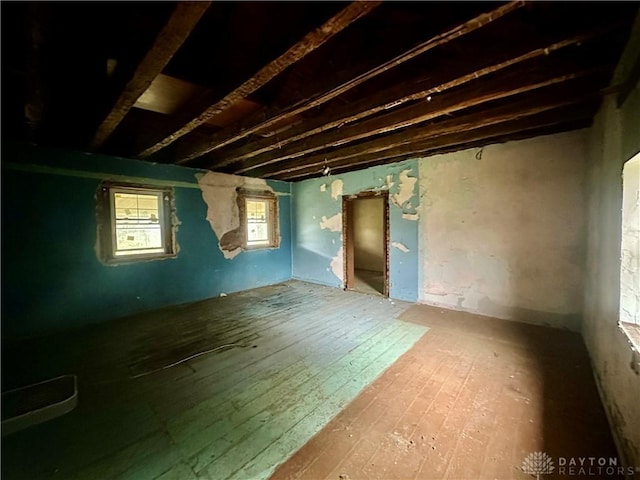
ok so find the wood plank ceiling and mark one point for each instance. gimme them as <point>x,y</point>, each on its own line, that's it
<point>294,89</point>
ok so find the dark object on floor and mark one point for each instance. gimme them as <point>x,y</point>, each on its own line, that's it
<point>37,403</point>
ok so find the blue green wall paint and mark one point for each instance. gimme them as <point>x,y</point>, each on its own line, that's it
<point>314,247</point>
<point>52,279</point>
<point>51,276</point>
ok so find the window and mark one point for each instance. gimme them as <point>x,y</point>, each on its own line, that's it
<point>630,258</point>
<point>258,218</point>
<point>135,222</point>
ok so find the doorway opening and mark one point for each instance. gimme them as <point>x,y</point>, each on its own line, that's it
<point>366,242</point>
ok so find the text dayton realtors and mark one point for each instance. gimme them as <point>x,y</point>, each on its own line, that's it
<point>592,466</point>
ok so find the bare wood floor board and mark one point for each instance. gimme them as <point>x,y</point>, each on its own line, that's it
<point>470,400</point>
<point>367,281</point>
<point>301,353</point>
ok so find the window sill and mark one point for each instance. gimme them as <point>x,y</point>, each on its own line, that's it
<point>632,333</point>
<point>126,260</point>
<point>251,248</point>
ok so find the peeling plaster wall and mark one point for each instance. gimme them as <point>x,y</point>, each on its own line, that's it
<point>615,138</point>
<point>51,276</point>
<point>223,214</point>
<point>317,225</point>
<point>502,230</point>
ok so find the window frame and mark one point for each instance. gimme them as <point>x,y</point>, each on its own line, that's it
<point>630,327</point>
<point>106,220</point>
<point>273,222</point>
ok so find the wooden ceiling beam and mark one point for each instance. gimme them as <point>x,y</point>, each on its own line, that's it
<point>177,29</point>
<point>308,44</point>
<point>422,112</point>
<point>35,86</point>
<point>557,126</point>
<point>257,122</point>
<point>393,97</point>
<point>530,105</point>
<point>450,141</point>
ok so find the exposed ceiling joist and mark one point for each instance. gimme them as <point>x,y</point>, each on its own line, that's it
<point>551,122</point>
<point>257,122</point>
<point>183,20</point>
<point>425,111</point>
<point>305,46</point>
<point>555,116</point>
<point>35,101</point>
<point>567,94</point>
<point>380,82</point>
<point>391,98</point>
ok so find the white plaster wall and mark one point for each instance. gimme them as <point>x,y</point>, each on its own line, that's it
<point>502,231</point>
<point>630,260</point>
<point>615,137</point>
<point>368,234</point>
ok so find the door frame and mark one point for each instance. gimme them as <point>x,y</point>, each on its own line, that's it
<point>347,230</point>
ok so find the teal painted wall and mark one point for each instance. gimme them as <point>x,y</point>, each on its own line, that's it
<point>51,276</point>
<point>315,247</point>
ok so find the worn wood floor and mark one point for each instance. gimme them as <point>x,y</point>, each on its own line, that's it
<point>470,400</point>
<point>367,281</point>
<point>299,354</point>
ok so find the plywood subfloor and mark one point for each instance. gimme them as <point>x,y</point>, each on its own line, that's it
<point>470,400</point>
<point>293,355</point>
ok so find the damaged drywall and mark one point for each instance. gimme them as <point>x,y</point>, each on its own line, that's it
<point>219,191</point>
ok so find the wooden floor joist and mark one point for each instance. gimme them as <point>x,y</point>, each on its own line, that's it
<point>257,122</point>
<point>298,51</point>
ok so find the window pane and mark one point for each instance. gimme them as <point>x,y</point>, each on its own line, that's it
<point>257,233</point>
<point>256,211</point>
<point>630,249</point>
<point>137,223</point>
<point>257,222</point>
